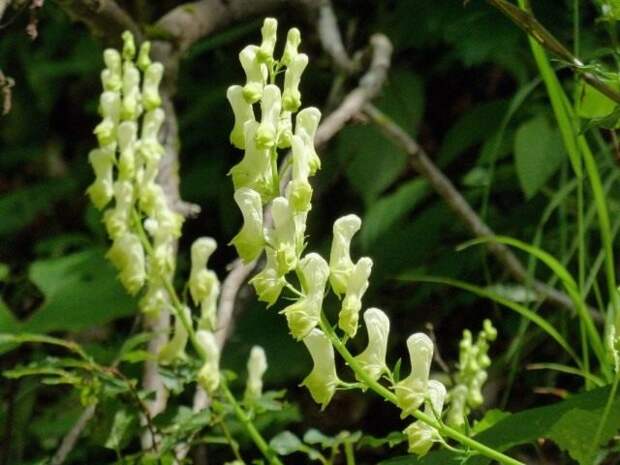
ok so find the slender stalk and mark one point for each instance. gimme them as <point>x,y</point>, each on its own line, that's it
<point>384,392</point>
<point>260,442</point>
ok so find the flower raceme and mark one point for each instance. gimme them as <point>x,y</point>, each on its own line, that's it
<point>138,218</point>
<point>263,116</point>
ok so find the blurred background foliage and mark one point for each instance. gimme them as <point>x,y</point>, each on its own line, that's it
<point>462,82</point>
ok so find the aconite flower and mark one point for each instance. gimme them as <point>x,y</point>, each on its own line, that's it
<point>269,282</point>
<point>340,263</point>
<point>299,191</point>
<point>249,241</point>
<point>352,303</point>
<point>293,39</point>
<point>372,359</point>
<point>150,86</point>
<point>175,347</point>
<point>269,33</point>
<point>243,112</point>
<point>101,190</point>
<point>209,374</point>
<point>303,315</point>
<point>306,125</point>
<point>291,97</point>
<point>204,286</point>
<point>257,366</point>
<point>270,106</point>
<point>127,255</point>
<point>283,238</point>
<point>323,379</point>
<point>421,436</point>
<point>255,73</point>
<point>411,391</point>
<point>110,108</point>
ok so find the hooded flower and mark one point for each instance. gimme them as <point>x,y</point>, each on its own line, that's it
<point>255,73</point>
<point>257,366</point>
<point>299,191</point>
<point>270,106</point>
<point>112,76</point>
<point>340,263</point>
<point>175,348</point>
<point>150,86</point>
<point>269,283</point>
<point>255,169</point>
<point>283,238</point>
<point>209,374</point>
<point>127,137</point>
<point>411,391</point>
<point>101,190</point>
<point>127,255</point>
<point>243,113</point>
<point>204,286</point>
<point>352,303</point>
<point>291,97</point>
<point>293,39</point>
<point>372,359</point>
<point>109,107</point>
<point>306,125</point>
<point>249,242</point>
<point>303,315</point>
<point>421,436</point>
<point>269,32</point>
<point>323,379</point>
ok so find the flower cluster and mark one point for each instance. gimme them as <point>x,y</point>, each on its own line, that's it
<point>257,185</point>
<point>473,362</point>
<point>141,224</point>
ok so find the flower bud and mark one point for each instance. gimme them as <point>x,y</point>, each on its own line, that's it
<point>352,302</point>
<point>127,131</point>
<point>458,406</point>
<point>127,255</point>
<point>255,73</point>
<point>257,366</point>
<point>111,76</point>
<point>150,86</point>
<point>243,113</point>
<point>293,39</point>
<point>411,391</point>
<point>340,263</point>
<point>291,97</point>
<point>255,169</point>
<point>101,190</point>
<point>269,32</point>
<point>372,359</point>
<point>249,242</point>
<point>323,379</point>
<point>303,315</point>
<point>306,125</point>
<point>130,107</point>
<point>144,60</point>
<point>269,283</point>
<point>209,374</point>
<point>175,348</point>
<point>270,107</point>
<point>129,46</point>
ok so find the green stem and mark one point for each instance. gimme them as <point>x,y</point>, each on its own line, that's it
<point>443,430</point>
<point>260,442</point>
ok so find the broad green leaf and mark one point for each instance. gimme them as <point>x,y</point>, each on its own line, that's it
<point>81,291</point>
<point>591,103</point>
<point>388,210</point>
<point>538,154</point>
<point>372,164</point>
<point>571,424</point>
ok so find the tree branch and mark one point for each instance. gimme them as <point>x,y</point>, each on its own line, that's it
<point>105,18</point>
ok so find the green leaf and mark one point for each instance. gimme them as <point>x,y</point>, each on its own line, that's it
<point>81,291</point>
<point>591,103</point>
<point>388,210</point>
<point>120,432</point>
<point>20,207</point>
<point>403,99</point>
<point>571,424</point>
<point>538,154</point>
<point>286,443</point>
<point>392,439</point>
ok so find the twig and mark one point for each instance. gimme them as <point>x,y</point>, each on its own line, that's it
<point>71,438</point>
<point>105,18</point>
<point>454,199</point>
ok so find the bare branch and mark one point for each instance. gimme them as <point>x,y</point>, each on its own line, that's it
<point>105,18</point>
<point>71,438</point>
